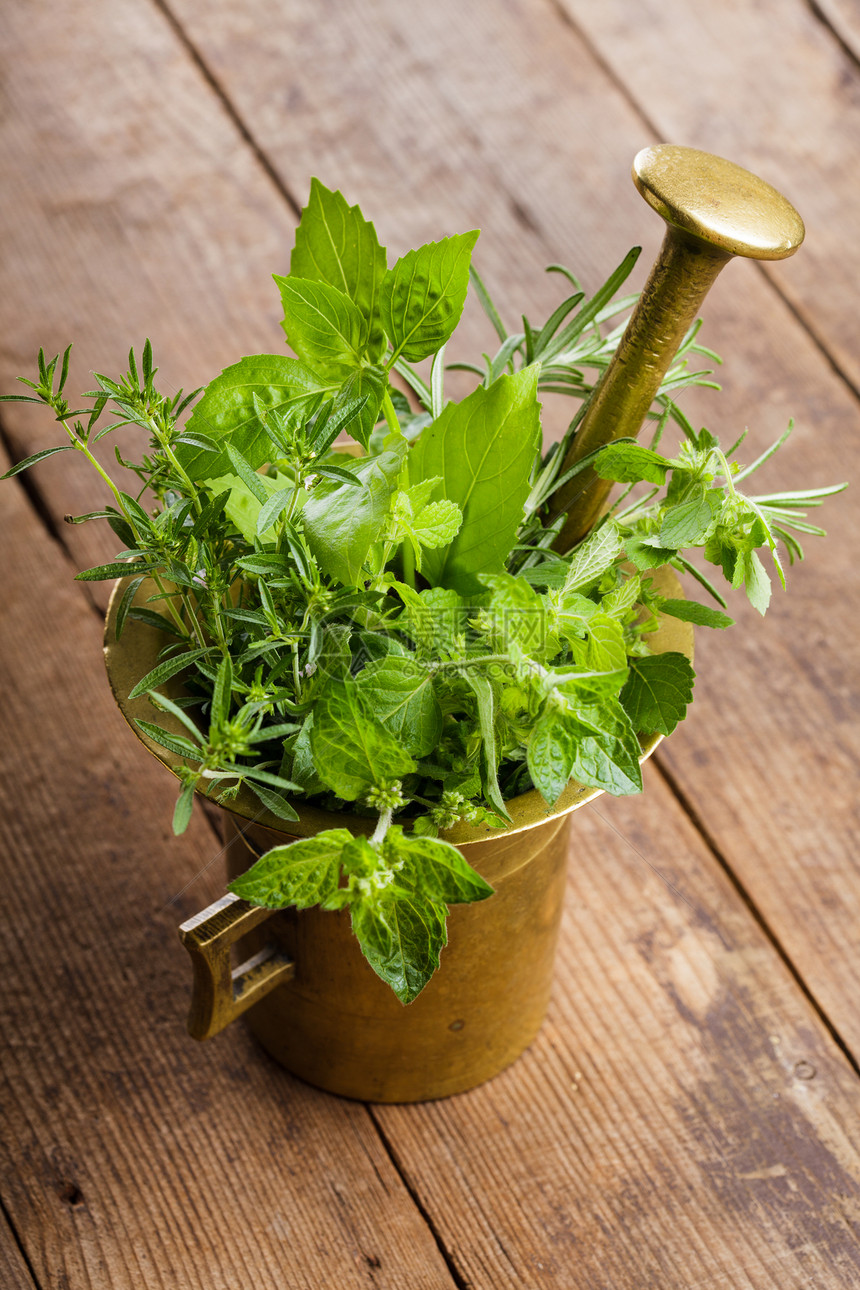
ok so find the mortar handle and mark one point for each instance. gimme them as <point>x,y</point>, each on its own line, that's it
<point>220,992</point>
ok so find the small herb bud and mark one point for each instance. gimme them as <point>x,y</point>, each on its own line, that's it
<point>386,797</point>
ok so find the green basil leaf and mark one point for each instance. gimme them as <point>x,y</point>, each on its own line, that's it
<point>422,297</point>
<point>341,523</point>
<point>483,449</point>
<point>337,245</point>
<point>323,326</point>
<point>433,868</point>
<point>689,523</point>
<point>400,694</point>
<point>629,462</point>
<point>658,691</point>
<point>228,411</point>
<point>551,751</point>
<point>401,936</point>
<point>352,749</point>
<point>364,392</point>
<point>607,756</point>
<point>300,874</point>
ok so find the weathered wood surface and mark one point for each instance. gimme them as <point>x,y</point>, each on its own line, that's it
<point>14,1273</point>
<point>710,1137</point>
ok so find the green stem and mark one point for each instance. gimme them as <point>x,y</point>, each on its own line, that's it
<point>383,824</point>
<point>408,564</point>
<point>390,414</point>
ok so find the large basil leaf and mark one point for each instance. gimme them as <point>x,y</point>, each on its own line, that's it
<point>323,326</point>
<point>401,936</point>
<point>608,754</point>
<point>303,873</point>
<point>342,523</point>
<point>658,691</point>
<point>434,868</point>
<point>337,245</point>
<point>483,449</point>
<point>400,693</point>
<point>227,413</point>
<point>352,749</point>
<point>551,752</point>
<point>422,297</point>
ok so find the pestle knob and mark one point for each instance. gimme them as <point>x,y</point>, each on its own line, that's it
<point>714,210</point>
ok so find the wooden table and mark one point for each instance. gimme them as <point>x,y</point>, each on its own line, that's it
<point>690,1115</point>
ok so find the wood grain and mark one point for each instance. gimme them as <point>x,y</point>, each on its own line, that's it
<point>14,1272</point>
<point>844,20</point>
<point>146,215</point>
<point>133,1157</point>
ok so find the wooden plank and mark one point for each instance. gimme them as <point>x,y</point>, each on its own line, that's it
<point>682,1120</point>
<point>768,692</point>
<point>844,21</point>
<point>132,1156</point>
<point>146,215</point>
<point>14,1273</point>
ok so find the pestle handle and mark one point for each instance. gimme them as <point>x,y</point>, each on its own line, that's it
<point>714,210</point>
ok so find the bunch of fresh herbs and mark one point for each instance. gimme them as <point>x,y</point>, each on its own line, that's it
<point>387,627</point>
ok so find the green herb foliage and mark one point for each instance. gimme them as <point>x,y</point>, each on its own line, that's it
<point>385,627</point>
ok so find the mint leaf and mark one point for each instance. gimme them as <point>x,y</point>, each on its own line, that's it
<point>551,751</point>
<point>520,616</point>
<point>435,619</point>
<point>691,611</point>
<point>434,868</point>
<point>689,523</point>
<point>368,384</point>
<point>227,412</point>
<point>400,694</point>
<point>335,244</point>
<point>302,873</point>
<point>593,557</point>
<point>401,936</point>
<point>657,692</point>
<point>341,523</point>
<point>483,449</point>
<point>323,326</point>
<point>750,570</point>
<point>422,297</point>
<point>607,756</point>
<point>352,749</point>
<point>627,463</point>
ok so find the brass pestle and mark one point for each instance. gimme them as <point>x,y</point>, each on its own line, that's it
<point>713,210</point>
